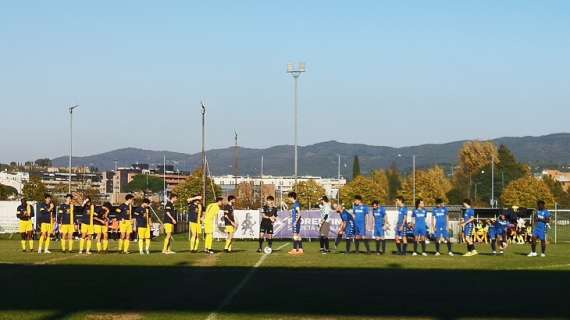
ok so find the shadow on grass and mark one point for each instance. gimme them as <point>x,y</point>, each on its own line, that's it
<point>393,292</point>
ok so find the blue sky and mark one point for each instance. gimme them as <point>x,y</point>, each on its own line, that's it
<point>390,73</point>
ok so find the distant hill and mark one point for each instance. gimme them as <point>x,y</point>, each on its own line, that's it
<point>321,159</point>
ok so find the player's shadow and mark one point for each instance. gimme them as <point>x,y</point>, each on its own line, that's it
<point>326,292</point>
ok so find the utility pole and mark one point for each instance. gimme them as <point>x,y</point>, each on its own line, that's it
<point>71,143</point>
<point>261,166</point>
<point>296,72</point>
<point>204,153</point>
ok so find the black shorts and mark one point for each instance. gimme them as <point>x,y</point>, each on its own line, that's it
<point>266,227</point>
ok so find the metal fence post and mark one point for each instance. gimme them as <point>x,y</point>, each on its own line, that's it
<point>555,223</point>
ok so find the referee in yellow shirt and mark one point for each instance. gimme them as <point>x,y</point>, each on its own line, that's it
<point>210,223</point>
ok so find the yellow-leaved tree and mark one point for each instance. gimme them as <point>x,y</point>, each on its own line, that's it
<point>526,191</point>
<point>431,184</point>
<point>370,188</point>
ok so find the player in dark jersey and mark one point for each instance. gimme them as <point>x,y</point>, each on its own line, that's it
<point>230,222</point>
<point>101,227</point>
<point>87,226</point>
<point>169,223</point>
<point>194,220</point>
<point>268,217</point>
<point>25,212</point>
<point>144,223</point>
<point>46,219</point>
<point>66,221</point>
<point>125,217</point>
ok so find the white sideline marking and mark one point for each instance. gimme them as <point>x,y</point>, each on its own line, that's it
<point>240,285</point>
<point>554,266</point>
<point>56,260</point>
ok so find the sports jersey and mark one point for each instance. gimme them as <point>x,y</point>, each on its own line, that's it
<point>142,215</point>
<point>379,221</point>
<point>45,214</point>
<point>468,215</point>
<point>440,215</point>
<point>402,216</point>
<point>296,215</point>
<point>125,212</point>
<point>360,213</point>
<point>25,213</point>
<point>101,214</point>
<point>348,220</point>
<point>169,208</point>
<point>325,211</point>
<point>193,213</point>
<point>87,213</point>
<point>502,226</point>
<point>420,216</point>
<point>268,213</point>
<point>65,213</point>
<point>229,218</point>
<point>541,219</point>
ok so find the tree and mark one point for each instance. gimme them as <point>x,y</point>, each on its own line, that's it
<point>394,181</point>
<point>146,183</point>
<point>431,184</point>
<point>7,192</point>
<point>309,192</point>
<point>193,186</point>
<point>366,187</point>
<point>44,162</point>
<point>561,196</point>
<point>34,190</point>
<point>246,196</point>
<point>356,167</point>
<point>526,191</point>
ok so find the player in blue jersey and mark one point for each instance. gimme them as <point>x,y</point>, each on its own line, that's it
<point>468,225</point>
<point>380,227</point>
<point>296,224</point>
<point>360,212</point>
<point>440,226</point>
<point>498,232</point>
<point>401,238</point>
<point>347,227</point>
<point>420,227</point>
<point>541,225</point>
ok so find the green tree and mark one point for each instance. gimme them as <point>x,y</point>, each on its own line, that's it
<point>526,191</point>
<point>146,183</point>
<point>356,167</point>
<point>394,181</point>
<point>561,196</point>
<point>193,186</point>
<point>431,184</point>
<point>44,162</point>
<point>7,192</point>
<point>308,193</point>
<point>366,187</point>
<point>34,190</point>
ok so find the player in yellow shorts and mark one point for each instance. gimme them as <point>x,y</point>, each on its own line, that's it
<point>125,216</point>
<point>144,223</point>
<point>194,220</point>
<point>66,222</point>
<point>45,218</point>
<point>209,218</point>
<point>230,222</point>
<point>87,226</point>
<point>25,212</point>
<point>169,223</point>
<point>100,227</point>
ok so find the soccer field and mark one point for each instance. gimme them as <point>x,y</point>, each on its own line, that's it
<point>248,285</point>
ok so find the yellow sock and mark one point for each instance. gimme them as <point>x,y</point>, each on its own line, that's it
<point>165,246</point>
<point>147,244</point>
<point>46,245</point>
<point>70,244</point>
<point>98,246</point>
<point>31,244</point>
<point>197,244</point>
<point>228,241</point>
<point>141,245</point>
<point>126,245</point>
<point>81,244</point>
<point>105,245</point>
<point>62,244</point>
<point>88,245</point>
<point>23,243</point>
<point>120,245</point>
<point>40,243</point>
<point>209,241</point>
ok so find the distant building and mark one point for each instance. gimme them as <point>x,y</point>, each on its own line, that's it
<point>562,177</point>
<point>57,181</point>
<point>14,180</point>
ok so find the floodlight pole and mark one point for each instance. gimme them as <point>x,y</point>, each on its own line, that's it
<point>296,72</point>
<point>70,143</point>
<point>204,153</point>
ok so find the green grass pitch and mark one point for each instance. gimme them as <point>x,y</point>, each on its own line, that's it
<point>313,286</point>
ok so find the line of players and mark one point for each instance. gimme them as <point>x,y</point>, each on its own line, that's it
<point>353,227</point>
